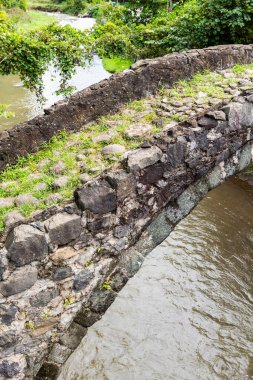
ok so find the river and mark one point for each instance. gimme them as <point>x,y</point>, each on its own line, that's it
<point>187,314</point>
<point>25,104</point>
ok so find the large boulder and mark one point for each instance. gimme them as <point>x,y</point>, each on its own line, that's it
<point>26,244</point>
<point>63,228</point>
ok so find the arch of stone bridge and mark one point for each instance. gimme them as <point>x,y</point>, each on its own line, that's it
<point>131,260</point>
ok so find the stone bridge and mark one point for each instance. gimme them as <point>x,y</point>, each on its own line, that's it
<point>73,260</point>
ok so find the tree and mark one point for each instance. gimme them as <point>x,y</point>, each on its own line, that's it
<point>29,55</point>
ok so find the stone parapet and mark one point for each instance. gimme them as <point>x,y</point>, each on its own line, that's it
<point>108,95</point>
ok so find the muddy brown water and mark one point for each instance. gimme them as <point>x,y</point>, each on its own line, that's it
<point>24,103</point>
<point>187,314</point>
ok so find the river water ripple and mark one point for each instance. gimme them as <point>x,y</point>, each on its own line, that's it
<point>187,314</point>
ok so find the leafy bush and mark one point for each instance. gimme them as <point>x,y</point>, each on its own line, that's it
<point>29,55</point>
<point>192,24</point>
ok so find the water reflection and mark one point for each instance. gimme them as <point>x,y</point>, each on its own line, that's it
<point>187,314</point>
<point>24,103</point>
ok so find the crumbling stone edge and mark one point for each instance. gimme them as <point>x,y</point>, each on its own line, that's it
<point>107,96</point>
<point>60,272</point>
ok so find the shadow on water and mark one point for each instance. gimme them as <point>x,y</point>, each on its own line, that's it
<point>187,314</point>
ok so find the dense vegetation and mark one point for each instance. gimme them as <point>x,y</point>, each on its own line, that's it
<point>150,30</point>
<point>29,52</point>
<point>125,32</point>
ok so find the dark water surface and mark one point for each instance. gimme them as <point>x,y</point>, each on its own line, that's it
<point>187,314</point>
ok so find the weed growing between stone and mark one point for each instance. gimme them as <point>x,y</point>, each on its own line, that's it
<point>49,176</point>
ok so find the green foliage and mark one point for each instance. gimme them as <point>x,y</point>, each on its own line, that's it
<point>69,301</point>
<point>66,6</point>
<point>3,16</point>
<point>106,285</point>
<point>29,55</point>
<point>154,31</point>
<point>30,42</point>
<point>22,4</point>
<point>116,64</point>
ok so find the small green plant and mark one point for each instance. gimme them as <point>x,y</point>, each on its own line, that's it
<point>162,90</point>
<point>68,301</point>
<point>106,285</point>
<point>88,263</point>
<point>29,325</point>
<point>46,315</point>
<point>99,249</point>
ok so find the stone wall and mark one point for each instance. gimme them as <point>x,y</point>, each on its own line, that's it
<point>62,270</point>
<point>108,95</point>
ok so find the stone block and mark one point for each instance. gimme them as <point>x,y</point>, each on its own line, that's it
<point>152,174</point>
<point>73,336</point>
<point>217,115</point>
<point>8,338</point>
<point>101,299</point>
<point>176,153</point>
<point>245,157</point>
<point>19,281</point>
<point>142,158</point>
<point>12,366</point>
<point>160,228</point>
<point>124,184</point>
<point>83,279</point>
<point>113,149</point>
<point>97,198</point>
<point>63,228</point>
<point>59,354</point>
<point>173,214</point>
<point>215,178</point>
<point>87,317</point>
<point>26,244</point>
<point>240,115</point>
<point>63,254</point>
<point>62,273</point>
<point>7,314</point>
<point>207,122</point>
<point>44,297</point>
<point>131,262</point>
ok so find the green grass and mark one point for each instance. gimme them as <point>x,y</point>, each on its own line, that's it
<point>17,179</point>
<point>116,64</point>
<point>30,20</point>
<point>241,69</point>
